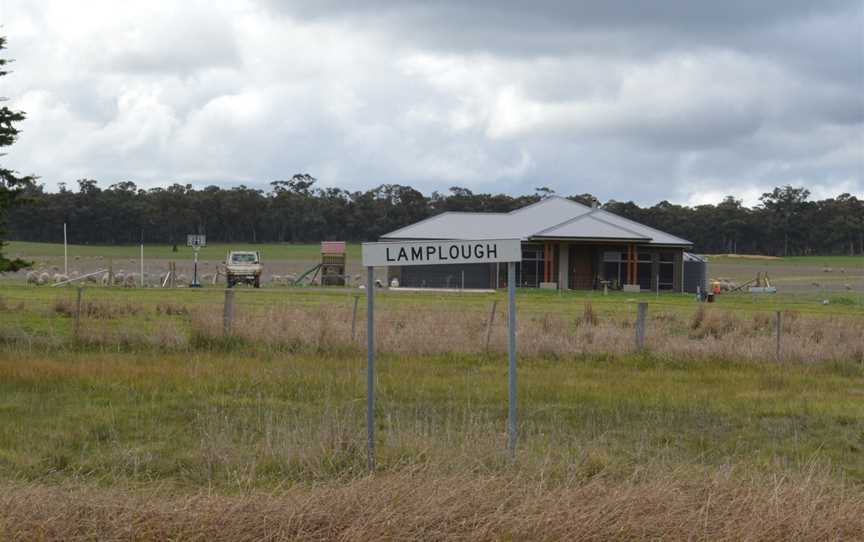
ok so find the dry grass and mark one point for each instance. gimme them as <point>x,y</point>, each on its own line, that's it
<point>417,506</point>
<point>710,334</point>
<point>707,333</point>
<point>97,309</point>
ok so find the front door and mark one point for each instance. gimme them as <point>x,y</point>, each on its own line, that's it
<point>581,267</point>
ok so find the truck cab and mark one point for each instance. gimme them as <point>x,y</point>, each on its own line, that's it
<point>243,267</point>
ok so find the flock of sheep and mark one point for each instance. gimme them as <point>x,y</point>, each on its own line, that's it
<point>121,278</point>
<point>52,276</point>
<point>817,284</point>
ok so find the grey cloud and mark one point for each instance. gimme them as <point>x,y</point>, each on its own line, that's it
<point>554,26</point>
<point>680,101</point>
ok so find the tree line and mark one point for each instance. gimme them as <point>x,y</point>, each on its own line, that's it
<point>786,222</point>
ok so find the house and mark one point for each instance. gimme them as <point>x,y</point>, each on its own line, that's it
<point>565,245</point>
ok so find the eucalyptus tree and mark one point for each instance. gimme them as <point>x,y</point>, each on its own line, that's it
<point>11,185</point>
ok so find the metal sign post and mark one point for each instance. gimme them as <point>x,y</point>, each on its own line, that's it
<point>196,242</point>
<point>511,354</point>
<point>370,366</point>
<point>440,253</point>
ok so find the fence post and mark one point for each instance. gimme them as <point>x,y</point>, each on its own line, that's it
<point>489,324</point>
<point>110,272</point>
<point>78,310</point>
<point>779,332</point>
<point>640,325</point>
<point>228,312</point>
<point>354,318</point>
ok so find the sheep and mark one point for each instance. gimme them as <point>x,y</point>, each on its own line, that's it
<point>848,287</point>
<point>32,277</point>
<point>827,270</point>
<point>394,283</point>
<point>93,279</point>
<point>182,279</point>
<point>207,277</point>
<point>276,279</point>
<point>44,278</point>
<point>131,280</point>
<point>60,277</point>
<point>105,279</point>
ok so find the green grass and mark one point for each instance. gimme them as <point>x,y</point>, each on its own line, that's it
<point>849,262</point>
<point>217,251</point>
<point>261,421</point>
<point>36,303</point>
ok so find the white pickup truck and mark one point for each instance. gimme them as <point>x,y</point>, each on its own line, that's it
<point>243,267</point>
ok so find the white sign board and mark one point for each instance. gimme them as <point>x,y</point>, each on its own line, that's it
<point>196,241</point>
<point>441,252</point>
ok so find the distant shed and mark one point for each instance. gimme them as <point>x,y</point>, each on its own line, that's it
<point>695,272</point>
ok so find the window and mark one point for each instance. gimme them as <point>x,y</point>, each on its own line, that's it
<point>243,257</point>
<point>644,270</point>
<point>615,268</point>
<point>529,272</point>
<point>667,271</point>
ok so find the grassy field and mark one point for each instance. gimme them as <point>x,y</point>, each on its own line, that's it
<point>149,402</point>
<point>217,251</point>
<point>147,421</point>
<point>214,420</point>
<point>279,251</point>
<point>819,276</point>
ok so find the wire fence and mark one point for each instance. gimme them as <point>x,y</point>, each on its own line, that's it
<point>334,321</point>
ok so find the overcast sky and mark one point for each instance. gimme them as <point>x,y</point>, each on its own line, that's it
<point>684,100</point>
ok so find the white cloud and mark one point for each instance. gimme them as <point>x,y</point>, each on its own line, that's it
<point>577,97</point>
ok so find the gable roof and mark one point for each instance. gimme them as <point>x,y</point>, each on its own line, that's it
<point>590,226</point>
<point>550,218</point>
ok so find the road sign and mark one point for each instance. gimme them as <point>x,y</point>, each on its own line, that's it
<point>441,252</point>
<point>196,241</point>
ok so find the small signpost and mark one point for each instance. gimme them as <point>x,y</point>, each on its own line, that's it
<point>196,242</point>
<point>507,251</point>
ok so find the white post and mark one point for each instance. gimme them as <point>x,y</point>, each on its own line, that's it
<point>142,265</point>
<point>65,253</point>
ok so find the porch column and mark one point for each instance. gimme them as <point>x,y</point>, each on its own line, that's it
<point>563,266</point>
<point>630,264</point>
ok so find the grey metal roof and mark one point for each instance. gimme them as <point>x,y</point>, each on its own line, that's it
<point>552,217</point>
<point>590,226</point>
<point>690,257</point>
